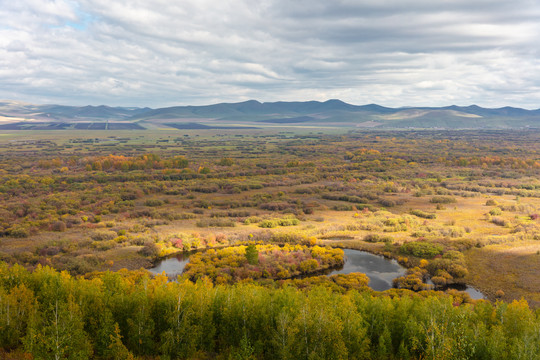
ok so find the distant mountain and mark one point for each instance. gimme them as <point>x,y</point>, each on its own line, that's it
<point>67,113</point>
<point>254,114</point>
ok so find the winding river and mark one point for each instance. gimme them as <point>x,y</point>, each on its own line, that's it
<point>380,271</point>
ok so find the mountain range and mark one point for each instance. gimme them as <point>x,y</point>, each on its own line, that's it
<point>253,114</point>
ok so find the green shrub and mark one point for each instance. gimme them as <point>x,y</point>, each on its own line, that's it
<point>268,224</point>
<point>102,235</point>
<point>19,232</point>
<point>422,249</point>
<point>153,202</point>
<point>423,214</point>
<point>442,200</point>
<point>288,222</point>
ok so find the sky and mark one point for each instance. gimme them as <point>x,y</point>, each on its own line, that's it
<point>194,52</point>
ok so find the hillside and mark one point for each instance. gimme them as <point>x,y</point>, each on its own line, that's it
<point>253,114</point>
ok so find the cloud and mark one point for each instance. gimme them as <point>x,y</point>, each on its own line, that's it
<point>160,53</point>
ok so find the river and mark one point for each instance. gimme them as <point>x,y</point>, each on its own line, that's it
<point>380,271</point>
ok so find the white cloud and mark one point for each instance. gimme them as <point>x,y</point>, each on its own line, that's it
<point>159,53</point>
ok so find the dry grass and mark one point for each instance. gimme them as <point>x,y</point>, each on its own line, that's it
<point>513,268</point>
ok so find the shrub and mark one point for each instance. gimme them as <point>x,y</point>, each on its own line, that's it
<point>226,162</point>
<point>499,221</point>
<point>413,280</point>
<point>342,207</point>
<point>19,232</point>
<point>291,238</point>
<point>268,224</point>
<point>288,222</point>
<point>439,281</point>
<point>423,214</point>
<point>252,220</point>
<point>150,249</point>
<point>387,202</point>
<point>102,235</point>
<point>454,255</point>
<point>378,238</point>
<point>309,265</point>
<point>422,249</point>
<point>153,202</point>
<point>442,200</point>
<point>58,226</point>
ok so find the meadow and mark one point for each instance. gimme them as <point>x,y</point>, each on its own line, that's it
<point>456,207</point>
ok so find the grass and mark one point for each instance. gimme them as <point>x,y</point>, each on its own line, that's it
<point>513,268</point>
<point>261,157</point>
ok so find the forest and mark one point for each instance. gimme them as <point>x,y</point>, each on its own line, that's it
<point>84,215</point>
<point>126,314</point>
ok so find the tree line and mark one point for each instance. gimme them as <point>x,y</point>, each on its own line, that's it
<point>128,314</point>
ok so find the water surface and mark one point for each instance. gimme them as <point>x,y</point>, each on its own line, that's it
<point>380,271</point>
<point>173,266</point>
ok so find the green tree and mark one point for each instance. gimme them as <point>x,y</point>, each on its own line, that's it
<point>59,334</point>
<point>252,254</point>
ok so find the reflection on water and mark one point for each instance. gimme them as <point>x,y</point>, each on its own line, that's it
<point>379,270</point>
<point>473,293</point>
<point>172,266</point>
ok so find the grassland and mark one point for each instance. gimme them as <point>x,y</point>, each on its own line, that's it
<point>87,201</point>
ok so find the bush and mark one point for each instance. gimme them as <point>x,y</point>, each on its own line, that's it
<point>423,214</point>
<point>288,222</point>
<point>149,249</point>
<point>102,235</point>
<point>309,265</point>
<point>19,232</point>
<point>268,224</point>
<point>153,202</point>
<point>442,200</point>
<point>413,280</point>
<point>252,220</point>
<point>422,249</point>
<point>226,162</point>
<point>499,221</point>
<point>378,238</point>
<point>58,226</point>
<point>342,207</point>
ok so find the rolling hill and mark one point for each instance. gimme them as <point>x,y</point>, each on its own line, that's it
<point>253,114</point>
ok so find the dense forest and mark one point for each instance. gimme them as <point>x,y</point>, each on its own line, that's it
<point>124,314</point>
<point>83,215</point>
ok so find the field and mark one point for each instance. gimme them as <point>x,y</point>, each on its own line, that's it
<point>95,201</point>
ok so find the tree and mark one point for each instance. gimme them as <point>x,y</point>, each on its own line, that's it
<point>59,335</point>
<point>252,254</point>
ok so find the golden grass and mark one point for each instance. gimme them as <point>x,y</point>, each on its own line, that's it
<point>512,267</point>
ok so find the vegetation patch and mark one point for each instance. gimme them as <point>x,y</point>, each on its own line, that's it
<point>232,264</point>
<point>422,249</point>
